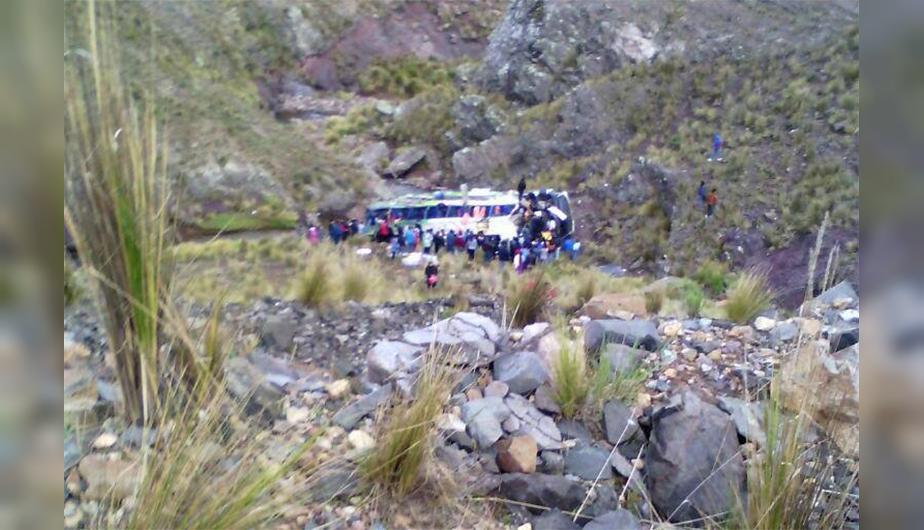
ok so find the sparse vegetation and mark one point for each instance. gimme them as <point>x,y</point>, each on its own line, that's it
<point>748,296</point>
<point>654,300</point>
<point>313,287</point>
<point>404,76</point>
<point>713,276</point>
<point>569,379</point>
<point>693,301</point>
<point>582,387</point>
<point>405,435</point>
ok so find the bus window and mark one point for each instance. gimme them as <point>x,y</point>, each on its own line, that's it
<point>506,209</point>
<point>434,212</point>
<point>415,214</point>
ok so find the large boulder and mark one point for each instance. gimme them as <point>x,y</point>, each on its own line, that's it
<point>837,408</point>
<point>537,489</point>
<point>693,464</point>
<point>475,335</point>
<point>475,120</point>
<point>405,161</point>
<point>747,416</point>
<point>522,371</point>
<point>635,333</point>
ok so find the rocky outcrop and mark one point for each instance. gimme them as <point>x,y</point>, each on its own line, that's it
<point>542,48</point>
<point>521,371</point>
<point>538,489</point>
<point>693,465</point>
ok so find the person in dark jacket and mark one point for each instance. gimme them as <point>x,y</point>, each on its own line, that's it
<point>701,192</point>
<point>431,273</point>
<point>521,188</point>
<point>451,242</point>
<point>335,232</point>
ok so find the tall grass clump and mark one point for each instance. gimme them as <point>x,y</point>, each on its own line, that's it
<point>570,384</point>
<point>582,387</point>
<point>116,198</point>
<point>654,301</point>
<point>793,483</point>
<point>693,301</point>
<point>528,298</point>
<point>355,283</point>
<point>586,289</point>
<point>748,296</point>
<point>207,471</point>
<point>313,286</point>
<point>405,436</point>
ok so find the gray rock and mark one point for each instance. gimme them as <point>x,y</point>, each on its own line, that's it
<point>475,119</point>
<point>843,336</point>
<point>405,161</point>
<point>279,331</point>
<point>349,416</point>
<point>468,331</point>
<point>496,389</point>
<point>693,456</point>
<point>587,462</point>
<point>533,332</point>
<point>539,489</point>
<point>246,382</point>
<point>544,400</point>
<point>554,520</point>
<point>842,290</point>
<point>621,357</point>
<point>389,358</point>
<point>617,418</point>
<point>534,423</point>
<point>616,520</point>
<point>635,333</point>
<point>572,429</point>
<point>373,156</point>
<point>483,418</point>
<point>278,372</point>
<point>748,418</point>
<point>333,483</point>
<point>603,499</point>
<point>553,463</point>
<point>522,371</point>
<point>783,332</point>
<point>110,392</point>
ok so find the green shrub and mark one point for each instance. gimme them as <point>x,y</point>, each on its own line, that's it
<point>693,301</point>
<point>713,276</point>
<point>748,296</point>
<point>528,298</point>
<point>570,384</point>
<point>403,77</point>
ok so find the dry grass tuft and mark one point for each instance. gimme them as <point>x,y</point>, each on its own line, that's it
<point>207,470</point>
<point>529,297</point>
<point>397,464</point>
<point>748,296</point>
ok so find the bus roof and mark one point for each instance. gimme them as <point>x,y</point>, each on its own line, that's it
<point>476,197</point>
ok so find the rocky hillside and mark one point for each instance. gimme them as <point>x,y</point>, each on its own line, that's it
<point>673,442</point>
<point>273,107</point>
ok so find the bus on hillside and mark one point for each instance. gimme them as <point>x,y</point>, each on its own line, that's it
<point>479,210</point>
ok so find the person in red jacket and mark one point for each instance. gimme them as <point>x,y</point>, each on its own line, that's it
<point>711,201</point>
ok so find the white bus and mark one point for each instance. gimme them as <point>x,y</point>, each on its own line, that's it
<point>478,210</point>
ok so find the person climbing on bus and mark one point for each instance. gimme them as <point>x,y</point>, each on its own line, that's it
<point>711,201</point>
<point>431,273</point>
<point>521,188</point>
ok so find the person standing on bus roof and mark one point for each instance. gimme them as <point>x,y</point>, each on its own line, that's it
<point>521,188</point>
